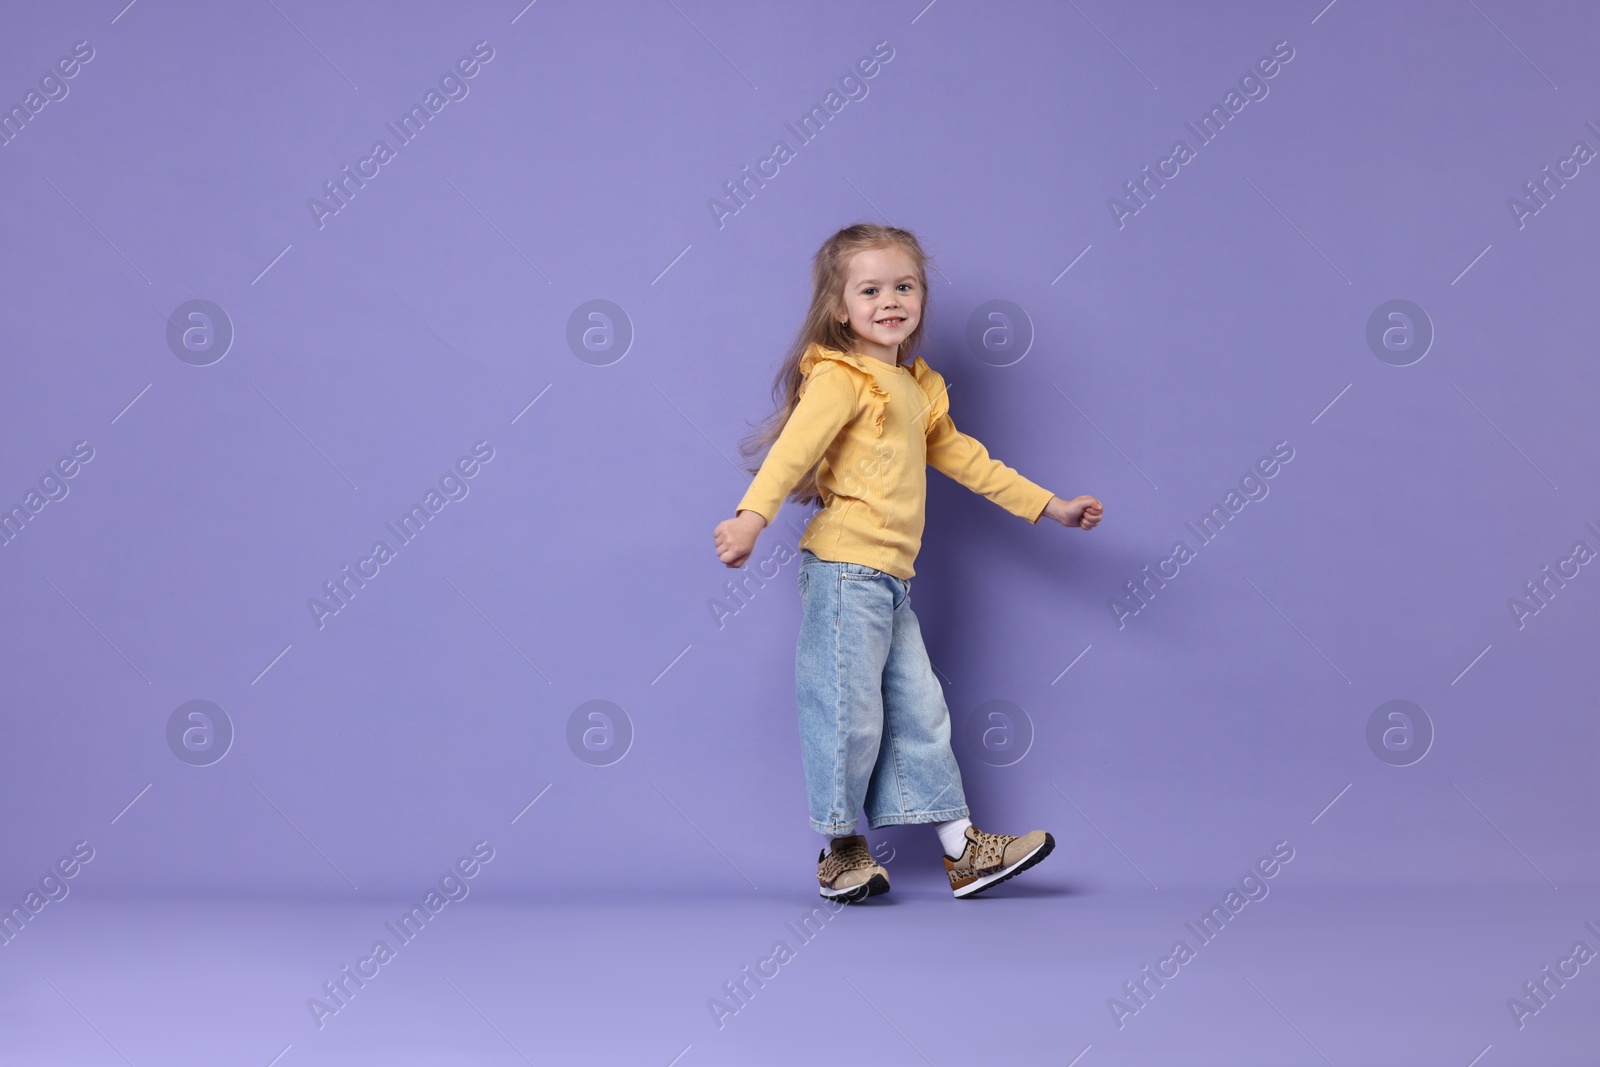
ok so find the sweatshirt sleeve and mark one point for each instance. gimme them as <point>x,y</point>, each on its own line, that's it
<point>826,406</point>
<point>964,459</point>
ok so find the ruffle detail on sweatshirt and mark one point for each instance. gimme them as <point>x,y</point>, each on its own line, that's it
<point>935,389</point>
<point>877,396</point>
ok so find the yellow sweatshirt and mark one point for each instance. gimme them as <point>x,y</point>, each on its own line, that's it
<point>877,427</point>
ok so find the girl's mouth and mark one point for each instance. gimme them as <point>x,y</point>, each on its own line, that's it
<point>890,322</point>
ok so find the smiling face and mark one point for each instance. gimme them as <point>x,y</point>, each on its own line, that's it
<point>883,301</point>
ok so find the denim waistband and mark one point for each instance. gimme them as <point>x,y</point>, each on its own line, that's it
<point>810,558</point>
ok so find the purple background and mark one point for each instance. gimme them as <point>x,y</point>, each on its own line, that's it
<point>1227,315</point>
<point>1166,356</point>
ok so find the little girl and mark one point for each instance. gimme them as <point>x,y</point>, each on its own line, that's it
<point>859,418</point>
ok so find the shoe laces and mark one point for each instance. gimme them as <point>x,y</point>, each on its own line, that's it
<point>991,848</point>
<point>851,857</point>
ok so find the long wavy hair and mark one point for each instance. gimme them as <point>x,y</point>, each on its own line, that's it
<point>821,326</point>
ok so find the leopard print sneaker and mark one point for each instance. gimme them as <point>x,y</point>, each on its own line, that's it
<point>849,873</point>
<point>990,859</point>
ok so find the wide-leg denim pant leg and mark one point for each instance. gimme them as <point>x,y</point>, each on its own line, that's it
<point>874,727</point>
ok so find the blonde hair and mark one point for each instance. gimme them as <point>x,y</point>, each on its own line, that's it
<point>821,327</point>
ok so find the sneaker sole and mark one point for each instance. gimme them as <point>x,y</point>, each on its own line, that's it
<point>857,893</point>
<point>974,888</point>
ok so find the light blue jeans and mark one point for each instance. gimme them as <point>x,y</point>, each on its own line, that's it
<point>874,728</point>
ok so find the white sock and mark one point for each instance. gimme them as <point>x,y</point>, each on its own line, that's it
<point>834,840</point>
<point>952,835</point>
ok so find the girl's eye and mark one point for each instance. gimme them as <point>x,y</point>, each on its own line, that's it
<point>905,285</point>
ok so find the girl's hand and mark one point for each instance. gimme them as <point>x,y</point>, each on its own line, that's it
<point>1081,511</point>
<point>736,537</point>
